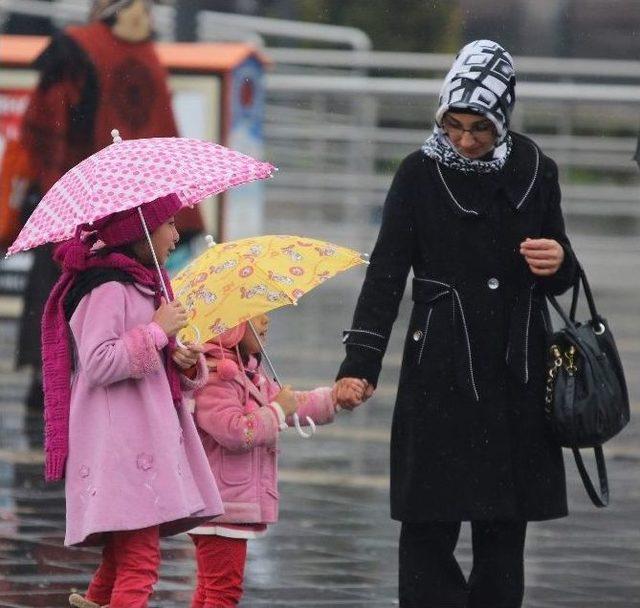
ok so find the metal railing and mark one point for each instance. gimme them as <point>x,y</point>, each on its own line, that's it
<point>550,67</point>
<point>583,113</point>
<point>421,87</point>
<point>216,25</point>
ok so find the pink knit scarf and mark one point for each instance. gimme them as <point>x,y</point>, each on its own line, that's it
<point>75,256</point>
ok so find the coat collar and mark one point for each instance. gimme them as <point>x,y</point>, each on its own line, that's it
<point>520,176</point>
<point>515,182</point>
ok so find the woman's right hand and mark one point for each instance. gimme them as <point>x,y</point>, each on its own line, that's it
<point>171,316</point>
<point>287,400</point>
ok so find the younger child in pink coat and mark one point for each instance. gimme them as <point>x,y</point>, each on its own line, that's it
<point>239,414</point>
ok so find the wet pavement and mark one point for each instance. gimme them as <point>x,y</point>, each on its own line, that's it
<point>335,544</point>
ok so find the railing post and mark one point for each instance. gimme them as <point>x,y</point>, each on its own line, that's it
<point>186,20</point>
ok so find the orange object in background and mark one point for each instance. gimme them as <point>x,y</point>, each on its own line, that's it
<point>218,95</point>
<point>15,175</point>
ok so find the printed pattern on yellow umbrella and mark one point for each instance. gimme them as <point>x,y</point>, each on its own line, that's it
<point>232,282</point>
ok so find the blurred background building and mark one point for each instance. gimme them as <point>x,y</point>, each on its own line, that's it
<point>352,87</point>
<point>562,28</point>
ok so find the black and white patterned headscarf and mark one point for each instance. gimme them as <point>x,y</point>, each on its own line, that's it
<point>482,79</point>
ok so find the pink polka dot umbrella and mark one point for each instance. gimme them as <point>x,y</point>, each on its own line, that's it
<point>129,173</point>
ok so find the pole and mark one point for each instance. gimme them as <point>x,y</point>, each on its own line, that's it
<point>186,22</point>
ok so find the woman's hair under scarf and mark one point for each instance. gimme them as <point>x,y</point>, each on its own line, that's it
<point>481,80</point>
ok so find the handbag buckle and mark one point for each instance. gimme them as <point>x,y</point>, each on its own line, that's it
<point>559,359</point>
<point>599,329</point>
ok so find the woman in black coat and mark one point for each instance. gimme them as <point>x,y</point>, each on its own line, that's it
<point>475,214</point>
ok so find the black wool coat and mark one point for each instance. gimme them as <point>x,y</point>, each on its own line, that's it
<point>468,440</point>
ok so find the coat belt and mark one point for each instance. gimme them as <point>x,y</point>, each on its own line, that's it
<point>431,290</point>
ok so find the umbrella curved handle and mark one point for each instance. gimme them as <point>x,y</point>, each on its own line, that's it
<point>196,332</point>
<point>312,426</point>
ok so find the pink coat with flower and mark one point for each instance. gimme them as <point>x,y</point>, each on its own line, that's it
<point>239,426</point>
<point>135,460</point>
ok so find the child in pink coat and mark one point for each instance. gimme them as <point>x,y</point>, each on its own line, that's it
<point>116,427</point>
<point>239,414</point>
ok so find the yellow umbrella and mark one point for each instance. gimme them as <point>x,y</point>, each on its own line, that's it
<point>235,281</point>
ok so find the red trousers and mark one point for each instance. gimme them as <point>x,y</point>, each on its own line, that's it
<point>221,563</point>
<point>129,569</point>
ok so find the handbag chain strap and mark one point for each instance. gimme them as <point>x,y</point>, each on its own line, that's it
<point>558,360</point>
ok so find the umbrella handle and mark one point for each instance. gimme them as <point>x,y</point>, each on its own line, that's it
<point>296,418</point>
<point>153,254</point>
<point>195,330</point>
<point>157,265</point>
<point>312,426</point>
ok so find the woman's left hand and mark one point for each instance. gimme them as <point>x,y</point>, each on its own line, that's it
<point>544,256</point>
<point>186,356</point>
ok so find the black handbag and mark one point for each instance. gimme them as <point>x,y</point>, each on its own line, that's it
<point>586,399</point>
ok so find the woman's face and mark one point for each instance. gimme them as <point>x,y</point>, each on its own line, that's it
<point>249,343</point>
<point>164,239</point>
<point>472,136</point>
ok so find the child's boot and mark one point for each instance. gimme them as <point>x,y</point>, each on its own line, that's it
<point>77,601</point>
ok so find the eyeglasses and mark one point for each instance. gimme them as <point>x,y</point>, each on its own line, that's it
<point>480,131</point>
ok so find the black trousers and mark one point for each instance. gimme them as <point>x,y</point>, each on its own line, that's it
<point>430,576</point>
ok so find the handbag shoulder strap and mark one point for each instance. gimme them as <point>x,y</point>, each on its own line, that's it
<point>575,295</point>
<point>569,319</point>
<point>602,499</point>
<point>595,317</point>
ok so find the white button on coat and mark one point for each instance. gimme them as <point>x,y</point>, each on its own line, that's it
<point>493,283</point>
